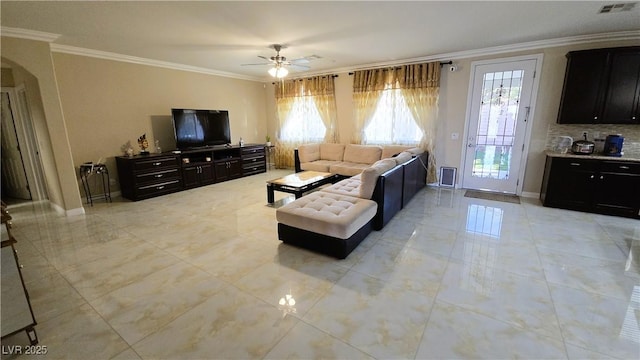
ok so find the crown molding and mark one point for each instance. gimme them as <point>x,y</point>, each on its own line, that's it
<point>495,50</point>
<point>144,61</point>
<point>531,45</point>
<point>548,43</point>
<point>28,34</point>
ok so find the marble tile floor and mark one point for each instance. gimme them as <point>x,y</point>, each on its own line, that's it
<point>200,274</point>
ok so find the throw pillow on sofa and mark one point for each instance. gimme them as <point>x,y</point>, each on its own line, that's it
<point>403,157</point>
<point>309,152</point>
<point>333,152</point>
<point>390,150</point>
<point>362,154</point>
<point>370,175</point>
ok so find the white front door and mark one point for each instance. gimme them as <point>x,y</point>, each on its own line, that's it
<point>497,116</point>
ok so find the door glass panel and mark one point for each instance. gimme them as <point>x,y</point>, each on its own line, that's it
<point>495,134</point>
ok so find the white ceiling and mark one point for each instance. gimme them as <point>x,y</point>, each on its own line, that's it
<point>220,36</point>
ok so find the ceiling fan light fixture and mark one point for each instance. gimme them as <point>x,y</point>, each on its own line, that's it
<point>278,72</point>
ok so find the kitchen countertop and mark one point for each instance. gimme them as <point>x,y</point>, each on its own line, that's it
<point>630,158</point>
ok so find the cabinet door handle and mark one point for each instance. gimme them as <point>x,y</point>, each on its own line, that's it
<point>595,118</point>
<point>601,177</point>
<point>575,164</point>
<point>160,187</point>
<point>624,167</point>
<point>591,177</point>
<point>159,175</point>
<point>157,163</point>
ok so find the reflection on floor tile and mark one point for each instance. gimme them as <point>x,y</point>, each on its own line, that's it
<point>306,342</point>
<point>482,338</point>
<point>201,274</point>
<point>231,324</point>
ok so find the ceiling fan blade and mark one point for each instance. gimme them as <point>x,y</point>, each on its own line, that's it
<point>299,61</point>
<point>279,60</point>
<point>299,67</point>
<point>306,59</point>
<point>268,63</point>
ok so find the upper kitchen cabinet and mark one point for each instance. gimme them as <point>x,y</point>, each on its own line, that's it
<point>621,105</point>
<point>601,86</point>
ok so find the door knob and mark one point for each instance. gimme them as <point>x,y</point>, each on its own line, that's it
<point>471,145</point>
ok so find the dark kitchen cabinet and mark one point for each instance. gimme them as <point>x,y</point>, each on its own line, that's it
<point>601,86</point>
<point>570,183</point>
<point>600,186</point>
<point>619,193</point>
<point>623,94</point>
<point>582,96</point>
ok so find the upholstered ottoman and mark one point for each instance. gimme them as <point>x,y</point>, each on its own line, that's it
<point>324,222</point>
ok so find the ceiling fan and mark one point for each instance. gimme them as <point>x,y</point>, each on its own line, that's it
<point>280,63</point>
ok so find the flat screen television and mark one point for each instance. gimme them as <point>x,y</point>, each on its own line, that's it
<point>200,128</point>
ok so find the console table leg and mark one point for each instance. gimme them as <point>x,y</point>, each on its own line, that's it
<point>33,337</point>
<point>270,196</point>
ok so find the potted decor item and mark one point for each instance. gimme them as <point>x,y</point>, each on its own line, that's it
<point>268,139</point>
<point>144,144</point>
<point>127,149</point>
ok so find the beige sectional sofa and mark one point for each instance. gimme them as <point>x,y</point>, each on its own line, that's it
<point>334,220</point>
<point>345,160</point>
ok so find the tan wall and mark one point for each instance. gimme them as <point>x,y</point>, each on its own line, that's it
<point>453,103</point>
<point>107,103</point>
<point>42,90</point>
<point>6,77</point>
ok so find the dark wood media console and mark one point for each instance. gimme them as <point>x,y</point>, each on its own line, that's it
<point>146,176</point>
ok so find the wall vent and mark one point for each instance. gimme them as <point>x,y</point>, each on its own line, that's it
<point>611,8</point>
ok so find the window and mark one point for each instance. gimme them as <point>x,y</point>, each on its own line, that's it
<point>303,123</point>
<point>392,122</point>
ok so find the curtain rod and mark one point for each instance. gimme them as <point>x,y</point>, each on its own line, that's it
<point>442,63</point>
<point>309,78</point>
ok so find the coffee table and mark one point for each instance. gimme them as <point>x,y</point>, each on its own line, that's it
<point>299,183</point>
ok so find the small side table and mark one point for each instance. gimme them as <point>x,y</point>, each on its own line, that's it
<point>271,156</point>
<point>89,169</point>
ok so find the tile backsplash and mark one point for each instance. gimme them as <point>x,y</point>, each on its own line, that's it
<point>631,134</point>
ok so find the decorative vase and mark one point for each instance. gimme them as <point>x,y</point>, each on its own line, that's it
<point>268,143</point>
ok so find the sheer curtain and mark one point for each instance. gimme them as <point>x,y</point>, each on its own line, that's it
<point>306,113</point>
<point>421,90</point>
<point>368,86</point>
<point>418,85</point>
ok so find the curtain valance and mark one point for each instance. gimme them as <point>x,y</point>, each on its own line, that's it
<point>313,86</point>
<point>414,76</point>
